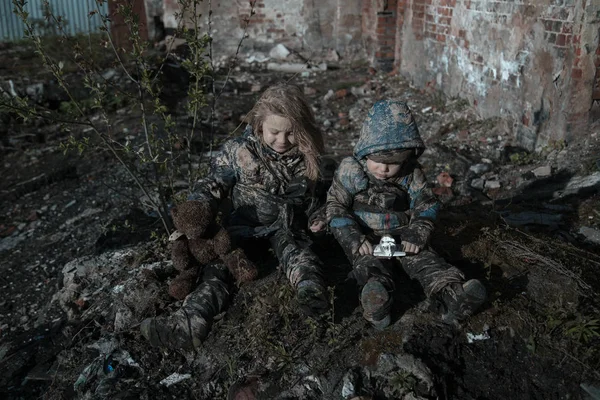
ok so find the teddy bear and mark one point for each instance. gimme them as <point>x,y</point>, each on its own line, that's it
<point>198,241</point>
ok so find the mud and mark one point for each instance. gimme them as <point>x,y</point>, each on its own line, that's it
<point>540,329</point>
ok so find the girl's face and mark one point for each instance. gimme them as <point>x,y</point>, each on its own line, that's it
<point>277,133</point>
<point>383,171</point>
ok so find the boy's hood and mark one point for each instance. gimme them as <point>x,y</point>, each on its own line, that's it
<point>389,126</point>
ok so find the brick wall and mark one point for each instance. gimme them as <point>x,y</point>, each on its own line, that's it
<point>303,25</point>
<point>596,92</point>
<point>516,58</point>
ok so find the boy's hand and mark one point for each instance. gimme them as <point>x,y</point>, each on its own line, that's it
<point>410,248</point>
<point>317,226</point>
<point>365,248</point>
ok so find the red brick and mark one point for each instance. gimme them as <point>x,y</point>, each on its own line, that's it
<point>576,73</point>
<point>441,38</point>
<point>429,18</point>
<point>419,15</point>
<point>462,34</point>
<point>561,40</point>
<point>567,28</point>
<point>576,39</point>
<point>444,11</point>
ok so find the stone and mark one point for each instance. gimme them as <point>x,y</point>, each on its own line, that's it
<point>35,92</point>
<point>332,56</point>
<point>492,184</point>
<point>580,183</point>
<point>479,169</point>
<point>309,91</point>
<point>279,52</point>
<point>329,95</point>
<point>591,234</point>
<point>478,183</point>
<point>542,172</point>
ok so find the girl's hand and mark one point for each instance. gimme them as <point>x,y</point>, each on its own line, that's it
<point>365,248</point>
<point>410,248</point>
<point>317,226</point>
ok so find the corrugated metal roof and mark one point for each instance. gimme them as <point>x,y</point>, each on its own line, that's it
<point>76,13</point>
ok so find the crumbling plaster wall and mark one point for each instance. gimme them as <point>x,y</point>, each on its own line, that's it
<point>532,61</point>
<point>303,25</point>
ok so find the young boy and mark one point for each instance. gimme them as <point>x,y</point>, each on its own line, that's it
<point>381,190</point>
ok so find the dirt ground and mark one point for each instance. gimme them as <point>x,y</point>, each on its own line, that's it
<point>529,236</point>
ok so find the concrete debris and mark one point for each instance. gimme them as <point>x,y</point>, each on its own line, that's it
<point>580,183</point>
<point>329,95</point>
<point>480,169</point>
<point>295,68</point>
<point>542,172</point>
<point>591,234</point>
<point>279,52</point>
<point>35,92</point>
<point>485,335</point>
<point>108,75</point>
<point>174,378</point>
<point>478,183</point>
<point>492,184</point>
<point>332,56</point>
<point>257,58</point>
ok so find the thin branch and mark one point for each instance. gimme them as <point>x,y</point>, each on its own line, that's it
<point>237,51</point>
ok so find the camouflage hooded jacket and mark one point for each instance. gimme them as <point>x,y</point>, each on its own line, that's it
<point>359,204</point>
<point>267,189</point>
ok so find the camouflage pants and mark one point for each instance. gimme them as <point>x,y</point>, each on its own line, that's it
<point>429,269</point>
<point>297,260</point>
<point>212,295</point>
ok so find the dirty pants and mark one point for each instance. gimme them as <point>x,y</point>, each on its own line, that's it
<point>212,295</point>
<point>429,269</point>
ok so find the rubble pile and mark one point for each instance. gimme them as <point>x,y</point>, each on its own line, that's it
<point>83,260</point>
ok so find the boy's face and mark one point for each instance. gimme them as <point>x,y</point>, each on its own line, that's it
<point>383,171</point>
<point>277,133</point>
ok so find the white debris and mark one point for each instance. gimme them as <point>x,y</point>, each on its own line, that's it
<point>279,52</point>
<point>480,168</point>
<point>174,378</point>
<point>472,337</point>
<point>542,172</point>
<point>426,109</point>
<point>492,184</point>
<point>295,67</point>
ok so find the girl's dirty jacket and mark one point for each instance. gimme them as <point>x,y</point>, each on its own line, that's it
<point>358,204</point>
<point>268,190</point>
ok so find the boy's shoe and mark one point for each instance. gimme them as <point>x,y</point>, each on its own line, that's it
<point>312,298</point>
<point>460,301</point>
<point>376,302</point>
<point>179,330</point>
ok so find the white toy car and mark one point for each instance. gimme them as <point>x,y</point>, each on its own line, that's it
<point>387,248</point>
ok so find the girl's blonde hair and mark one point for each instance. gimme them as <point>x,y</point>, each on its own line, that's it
<point>288,101</point>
